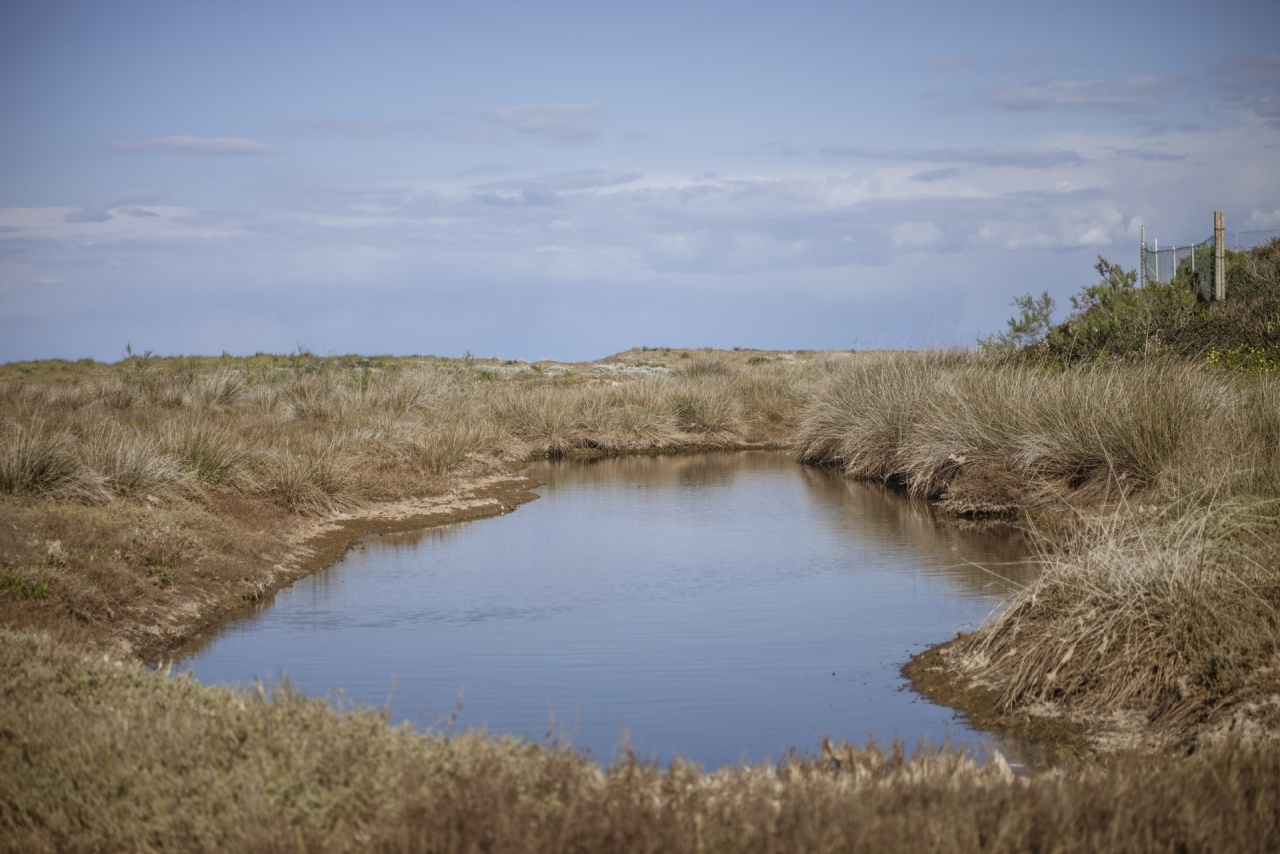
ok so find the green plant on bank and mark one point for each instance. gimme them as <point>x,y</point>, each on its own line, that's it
<point>25,588</point>
<point>1244,358</point>
<point>164,568</point>
<point>1034,322</point>
<point>1113,319</point>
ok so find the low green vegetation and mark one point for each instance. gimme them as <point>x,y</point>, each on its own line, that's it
<point>1113,318</point>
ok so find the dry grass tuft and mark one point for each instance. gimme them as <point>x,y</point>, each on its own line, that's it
<point>38,459</point>
<point>131,464</point>
<point>705,365</point>
<point>921,419</point>
<point>1173,616</point>
<point>310,478</point>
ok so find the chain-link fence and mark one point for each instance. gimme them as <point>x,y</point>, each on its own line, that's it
<point>1194,264</point>
<point>1161,265</point>
<point>1243,241</point>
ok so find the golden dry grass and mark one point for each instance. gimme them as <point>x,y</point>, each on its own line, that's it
<point>1161,600</point>
<point>148,488</point>
<point>103,756</point>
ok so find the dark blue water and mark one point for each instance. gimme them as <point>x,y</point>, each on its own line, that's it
<point>720,606</point>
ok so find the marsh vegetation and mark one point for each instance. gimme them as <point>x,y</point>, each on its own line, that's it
<point>143,499</point>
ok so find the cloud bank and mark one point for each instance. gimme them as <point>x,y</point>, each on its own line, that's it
<point>555,122</point>
<point>1131,96</point>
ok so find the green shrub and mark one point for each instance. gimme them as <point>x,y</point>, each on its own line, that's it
<point>1113,319</point>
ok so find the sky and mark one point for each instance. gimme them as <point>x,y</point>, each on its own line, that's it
<point>568,180</point>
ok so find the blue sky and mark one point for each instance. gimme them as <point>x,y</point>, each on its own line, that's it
<point>568,180</point>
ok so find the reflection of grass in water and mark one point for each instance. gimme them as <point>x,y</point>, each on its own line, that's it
<point>986,558</point>
<point>270,770</point>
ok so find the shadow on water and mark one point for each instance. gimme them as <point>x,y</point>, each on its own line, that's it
<point>720,606</point>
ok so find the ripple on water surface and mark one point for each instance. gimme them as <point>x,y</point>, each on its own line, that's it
<point>719,606</point>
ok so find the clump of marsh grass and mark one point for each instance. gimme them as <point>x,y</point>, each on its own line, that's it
<point>545,417</point>
<point>221,387</point>
<point>705,404</point>
<point>705,365</point>
<point>1171,615</point>
<point>118,395</point>
<point>445,447</point>
<point>635,415</point>
<point>130,463</point>
<point>918,419</point>
<point>316,397</point>
<point>37,458</point>
<point>773,393</point>
<point>309,478</point>
<point>214,456</point>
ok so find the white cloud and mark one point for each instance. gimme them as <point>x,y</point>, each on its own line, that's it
<point>217,145</point>
<point>100,209</point>
<point>1040,157</point>
<point>1243,73</point>
<point>915,233</point>
<point>556,122</point>
<point>1127,96</point>
<point>1260,219</point>
<point>554,239</point>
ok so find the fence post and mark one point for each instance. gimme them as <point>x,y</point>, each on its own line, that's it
<point>1142,260</point>
<point>1219,256</point>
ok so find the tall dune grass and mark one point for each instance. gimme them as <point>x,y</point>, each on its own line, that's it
<point>320,434</point>
<point>1171,612</point>
<point>1169,427</point>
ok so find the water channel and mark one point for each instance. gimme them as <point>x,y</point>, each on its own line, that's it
<point>724,607</point>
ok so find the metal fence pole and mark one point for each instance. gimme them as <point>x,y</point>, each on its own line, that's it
<point>1219,256</point>
<point>1142,260</point>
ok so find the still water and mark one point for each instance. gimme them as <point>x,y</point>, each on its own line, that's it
<point>717,606</point>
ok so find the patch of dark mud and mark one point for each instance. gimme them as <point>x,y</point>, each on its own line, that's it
<point>984,490</point>
<point>1052,740</point>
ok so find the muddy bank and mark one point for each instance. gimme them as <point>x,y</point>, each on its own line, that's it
<point>133,582</point>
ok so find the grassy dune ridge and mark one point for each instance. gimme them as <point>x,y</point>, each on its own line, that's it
<point>139,501</point>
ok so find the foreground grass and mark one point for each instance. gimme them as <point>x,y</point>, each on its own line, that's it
<point>103,756</point>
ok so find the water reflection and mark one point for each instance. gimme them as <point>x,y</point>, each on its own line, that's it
<point>989,558</point>
<point>721,606</point>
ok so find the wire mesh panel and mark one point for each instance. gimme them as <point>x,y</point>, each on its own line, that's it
<point>1193,265</point>
<point>1242,241</point>
<point>1251,272</point>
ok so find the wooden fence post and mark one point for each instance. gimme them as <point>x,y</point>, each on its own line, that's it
<point>1219,256</point>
